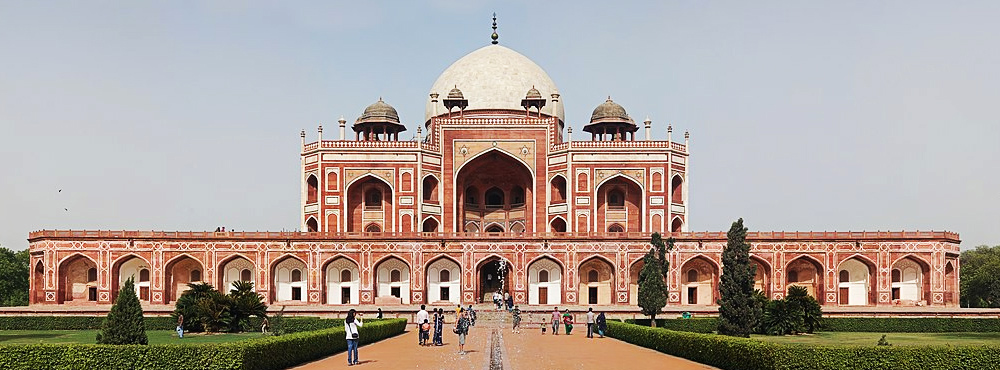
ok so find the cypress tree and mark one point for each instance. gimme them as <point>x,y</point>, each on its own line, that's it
<point>652,290</point>
<point>738,310</point>
<point>661,252</point>
<point>124,324</point>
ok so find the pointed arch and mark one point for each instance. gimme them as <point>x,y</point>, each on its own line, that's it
<point>388,289</point>
<point>677,225</point>
<point>493,163</point>
<point>336,289</point>
<point>443,274</point>
<point>855,285</point>
<point>558,224</point>
<point>619,199</point>
<point>284,286</point>
<point>312,225</point>
<point>762,275</point>
<point>558,194</point>
<point>677,189</point>
<point>178,272</point>
<point>699,280</point>
<point>361,202</point>
<point>596,280</point>
<point>429,225</point>
<point>544,278</point>
<point>430,189</point>
<point>231,269</point>
<point>913,284</point>
<point>128,265</point>
<point>806,271</point>
<point>312,188</point>
<point>72,283</point>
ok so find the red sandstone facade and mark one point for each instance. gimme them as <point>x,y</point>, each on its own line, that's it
<point>494,197</point>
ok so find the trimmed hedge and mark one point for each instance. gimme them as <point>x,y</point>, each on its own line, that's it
<point>292,324</point>
<point>731,353</point>
<point>854,324</point>
<point>269,353</point>
<point>700,325</point>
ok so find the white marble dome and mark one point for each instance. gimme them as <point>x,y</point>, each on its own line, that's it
<point>494,77</point>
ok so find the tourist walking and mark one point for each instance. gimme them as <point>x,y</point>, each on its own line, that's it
<point>462,329</point>
<point>602,324</point>
<point>568,321</point>
<point>591,320</point>
<point>264,326</point>
<point>422,318</point>
<point>472,315</point>
<point>438,326</point>
<point>510,302</point>
<point>507,301</point>
<point>180,326</point>
<point>556,318</point>
<point>351,324</point>
<point>517,320</point>
<point>379,314</point>
<point>496,299</point>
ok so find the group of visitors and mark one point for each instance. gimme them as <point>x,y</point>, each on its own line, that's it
<point>503,301</point>
<point>596,323</point>
<point>466,318</point>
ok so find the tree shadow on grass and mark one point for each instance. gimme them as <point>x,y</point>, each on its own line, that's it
<point>4,338</point>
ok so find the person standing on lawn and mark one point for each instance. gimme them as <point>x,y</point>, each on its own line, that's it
<point>180,326</point>
<point>351,324</point>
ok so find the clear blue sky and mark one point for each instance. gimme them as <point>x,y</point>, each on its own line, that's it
<point>184,115</point>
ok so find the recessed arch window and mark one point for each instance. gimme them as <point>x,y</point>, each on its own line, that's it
<point>143,275</point>
<point>395,276</point>
<point>616,199</point>
<point>517,196</point>
<point>445,275</point>
<point>543,276</point>
<point>195,275</point>
<point>296,275</point>
<point>494,229</point>
<point>692,276</point>
<point>593,276</point>
<point>845,276</point>
<point>246,275</point>
<point>312,194</point>
<point>373,228</point>
<point>676,190</point>
<point>91,275</point>
<point>896,276</point>
<point>345,275</point>
<point>616,228</point>
<point>494,198</point>
<point>793,276</point>
<point>471,197</point>
<point>373,199</point>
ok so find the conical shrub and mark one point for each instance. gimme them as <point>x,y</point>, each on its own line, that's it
<point>124,324</point>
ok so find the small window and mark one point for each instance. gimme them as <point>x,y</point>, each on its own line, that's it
<point>692,276</point>
<point>470,196</point>
<point>494,229</point>
<point>896,276</point>
<point>517,196</point>
<point>143,275</point>
<point>373,228</point>
<point>616,228</point>
<point>593,276</point>
<point>296,275</point>
<point>395,276</point>
<point>373,199</point>
<point>195,275</point>
<point>793,276</point>
<point>445,276</point>
<point>845,276</point>
<point>92,275</point>
<point>313,192</point>
<point>543,276</point>
<point>494,198</point>
<point>245,275</point>
<point>345,275</point>
<point>616,199</point>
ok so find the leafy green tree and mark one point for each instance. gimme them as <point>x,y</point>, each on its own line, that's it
<point>812,312</point>
<point>245,302</point>
<point>14,277</point>
<point>738,311</point>
<point>652,289</point>
<point>980,276</point>
<point>762,301</point>
<point>124,324</point>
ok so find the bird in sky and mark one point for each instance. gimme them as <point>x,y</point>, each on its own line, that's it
<point>66,209</point>
<point>60,190</point>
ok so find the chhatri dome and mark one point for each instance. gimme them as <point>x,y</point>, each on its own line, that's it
<point>494,77</point>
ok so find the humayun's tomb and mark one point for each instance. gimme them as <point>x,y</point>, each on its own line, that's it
<point>492,191</point>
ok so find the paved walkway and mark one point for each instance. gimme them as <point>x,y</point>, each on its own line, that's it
<point>528,350</point>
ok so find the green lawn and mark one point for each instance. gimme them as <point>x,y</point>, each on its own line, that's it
<point>896,339</point>
<point>88,337</point>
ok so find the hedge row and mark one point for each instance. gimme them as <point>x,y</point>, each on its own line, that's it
<point>854,324</point>
<point>268,353</point>
<point>730,353</point>
<point>292,324</point>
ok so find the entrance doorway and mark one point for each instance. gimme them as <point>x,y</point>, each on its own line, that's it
<point>444,294</point>
<point>345,294</point>
<point>592,295</point>
<point>494,275</point>
<point>692,295</point>
<point>543,295</point>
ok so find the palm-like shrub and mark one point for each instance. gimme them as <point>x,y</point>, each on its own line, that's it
<point>782,317</point>
<point>187,305</point>
<point>245,302</point>
<point>811,310</point>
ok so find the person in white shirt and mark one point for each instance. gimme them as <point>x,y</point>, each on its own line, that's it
<point>351,325</point>
<point>422,317</point>
<point>590,322</point>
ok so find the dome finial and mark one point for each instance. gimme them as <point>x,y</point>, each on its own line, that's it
<point>495,36</point>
